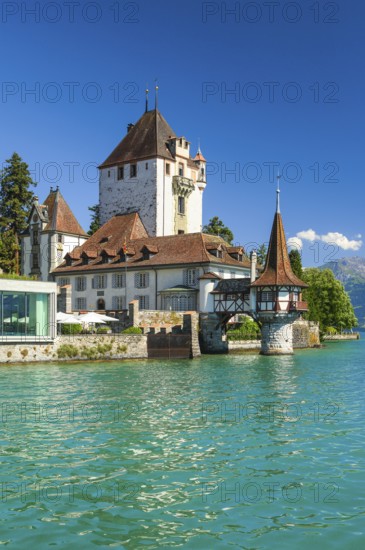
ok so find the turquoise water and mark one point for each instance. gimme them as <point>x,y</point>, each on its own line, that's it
<point>221,452</point>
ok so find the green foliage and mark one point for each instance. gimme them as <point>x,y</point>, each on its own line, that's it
<point>217,227</point>
<point>132,330</point>
<point>67,351</point>
<point>331,331</point>
<point>16,277</point>
<point>15,202</point>
<point>71,329</point>
<point>296,263</point>
<point>122,349</point>
<point>248,330</point>
<point>102,330</point>
<point>9,249</point>
<point>95,219</point>
<point>328,302</point>
<point>261,254</point>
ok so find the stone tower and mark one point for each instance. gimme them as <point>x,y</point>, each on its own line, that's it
<point>151,171</point>
<point>277,294</point>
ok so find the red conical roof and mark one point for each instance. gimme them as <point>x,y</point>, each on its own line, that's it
<point>278,271</point>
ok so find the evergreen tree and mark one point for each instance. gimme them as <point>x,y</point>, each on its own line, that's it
<point>15,200</point>
<point>217,227</point>
<point>261,254</point>
<point>95,219</point>
<point>296,263</point>
<point>328,302</point>
<point>8,251</point>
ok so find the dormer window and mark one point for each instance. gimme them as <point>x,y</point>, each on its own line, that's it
<point>68,260</point>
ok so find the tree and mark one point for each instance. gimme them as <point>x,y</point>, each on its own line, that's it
<point>8,251</point>
<point>261,254</point>
<point>15,199</point>
<point>328,302</point>
<point>296,262</point>
<point>95,219</point>
<point>217,227</point>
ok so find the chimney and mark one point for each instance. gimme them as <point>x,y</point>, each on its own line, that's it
<point>253,258</point>
<point>129,127</point>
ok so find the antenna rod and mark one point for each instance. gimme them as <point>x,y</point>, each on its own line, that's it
<point>278,195</point>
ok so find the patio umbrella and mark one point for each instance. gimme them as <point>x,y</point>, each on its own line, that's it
<point>69,320</point>
<point>107,318</point>
<point>91,317</point>
<point>60,316</point>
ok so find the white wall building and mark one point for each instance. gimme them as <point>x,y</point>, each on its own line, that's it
<point>52,232</point>
<point>151,172</point>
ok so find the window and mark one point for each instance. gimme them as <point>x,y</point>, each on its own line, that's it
<point>35,236</point>
<point>108,173</point>
<point>118,280</point>
<point>118,302</point>
<point>80,284</point>
<point>133,170</point>
<point>60,238</point>
<point>120,172</point>
<point>186,144</point>
<point>191,277</point>
<point>141,280</point>
<point>180,232</point>
<point>144,301</point>
<point>267,296</point>
<point>181,205</point>
<point>63,281</point>
<point>146,165</point>
<point>24,314</point>
<point>80,304</point>
<point>181,169</point>
<point>100,281</point>
<point>180,142</point>
<point>167,169</point>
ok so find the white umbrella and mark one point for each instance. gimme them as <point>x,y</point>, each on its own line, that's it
<point>91,317</point>
<point>107,318</point>
<point>69,320</point>
<point>61,316</point>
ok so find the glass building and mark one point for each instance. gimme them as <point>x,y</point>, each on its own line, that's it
<point>27,310</point>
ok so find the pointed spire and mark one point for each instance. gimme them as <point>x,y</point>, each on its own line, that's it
<point>278,271</point>
<point>278,194</point>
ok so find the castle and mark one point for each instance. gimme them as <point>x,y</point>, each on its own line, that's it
<point>150,247</point>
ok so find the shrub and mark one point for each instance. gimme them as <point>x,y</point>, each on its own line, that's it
<point>132,330</point>
<point>248,330</point>
<point>102,330</point>
<point>67,350</point>
<point>71,329</point>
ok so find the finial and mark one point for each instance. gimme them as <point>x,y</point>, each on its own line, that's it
<point>278,194</point>
<point>156,94</point>
<point>199,151</point>
<point>147,91</point>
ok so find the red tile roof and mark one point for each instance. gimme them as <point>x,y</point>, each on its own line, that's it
<point>278,271</point>
<point>189,248</point>
<point>146,139</point>
<point>60,216</point>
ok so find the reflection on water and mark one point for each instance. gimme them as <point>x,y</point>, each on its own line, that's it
<point>221,452</point>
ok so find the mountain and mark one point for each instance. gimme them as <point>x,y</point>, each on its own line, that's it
<point>351,272</point>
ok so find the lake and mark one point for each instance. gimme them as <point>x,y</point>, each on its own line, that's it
<point>238,451</point>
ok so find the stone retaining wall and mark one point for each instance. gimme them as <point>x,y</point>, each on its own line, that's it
<point>78,347</point>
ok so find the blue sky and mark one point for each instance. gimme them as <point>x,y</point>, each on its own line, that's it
<point>264,85</point>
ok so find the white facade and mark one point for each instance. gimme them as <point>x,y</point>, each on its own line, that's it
<point>43,258</point>
<point>154,288</point>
